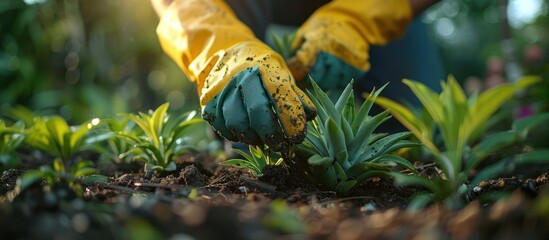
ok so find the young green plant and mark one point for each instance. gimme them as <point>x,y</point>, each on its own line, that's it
<point>54,136</point>
<point>460,122</point>
<point>161,140</point>
<point>341,148</point>
<point>11,138</point>
<point>256,161</point>
<point>283,45</point>
<point>116,146</point>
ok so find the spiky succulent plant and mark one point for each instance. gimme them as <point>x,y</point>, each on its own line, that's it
<point>341,148</point>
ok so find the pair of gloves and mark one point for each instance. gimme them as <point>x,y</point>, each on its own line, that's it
<point>247,91</point>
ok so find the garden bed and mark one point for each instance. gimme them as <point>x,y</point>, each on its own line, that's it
<point>154,175</point>
<point>202,200</point>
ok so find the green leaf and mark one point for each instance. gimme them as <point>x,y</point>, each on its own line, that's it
<point>490,101</point>
<point>381,146</point>
<point>142,121</point>
<point>489,145</point>
<point>256,161</point>
<point>29,178</point>
<point>538,156</point>
<point>319,161</point>
<point>170,167</point>
<point>240,163</point>
<point>524,125</point>
<point>317,142</point>
<point>84,171</point>
<point>303,151</point>
<point>344,187</point>
<point>158,117</point>
<point>325,102</point>
<point>428,99</point>
<point>343,99</point>
<point>323,171</point>
<point>283,45</point>
<point>349,112</point>
<point>398,160</point>
<point>365,167</point>
<point>56,129</point>
<point>347,130</point>
<point>455,105</point>
<point>402,144</point>
<point>364,109</point>
<point>322,113</point>
<point>337,143</point>
<point>96,138</point>
<point>418,180</point>
<point>93,179</point>
<point>410,121</point>
<point>509,164</point>
<point>77,136</point>
<point>364,133</point>
<point>58,165</point>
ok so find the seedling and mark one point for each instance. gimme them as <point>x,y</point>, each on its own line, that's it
<point>341,147</point>
<point>54,136</point>
<point>162,138</point>
<point>283,45</point>
<point>461,122</point>
<point>11,138</point>
<point>116,146</point>
<point>256,161</point>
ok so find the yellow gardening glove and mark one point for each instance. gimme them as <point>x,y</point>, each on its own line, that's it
<point>246,91</point>
<point>332,45</point>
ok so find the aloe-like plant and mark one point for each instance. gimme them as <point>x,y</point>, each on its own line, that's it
<point>11,138</point>
<point>283,45</point>
<point>256,161</point>
<point>341,148</point>
<point>460,122</point>
<point>54,136</point>
<point>161,140</point>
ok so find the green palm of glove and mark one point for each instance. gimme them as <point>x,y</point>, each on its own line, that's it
<point>245,111</point>
<point>330,72</point>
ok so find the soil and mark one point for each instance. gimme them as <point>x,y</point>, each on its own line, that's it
<point>202,200</point>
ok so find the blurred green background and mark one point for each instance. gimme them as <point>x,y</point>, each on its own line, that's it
<point>94,58</point>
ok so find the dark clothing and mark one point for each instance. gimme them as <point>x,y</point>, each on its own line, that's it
<point>258,14</point>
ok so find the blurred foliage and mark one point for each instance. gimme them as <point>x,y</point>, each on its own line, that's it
<point>469,33</point>
<point>84,59</point>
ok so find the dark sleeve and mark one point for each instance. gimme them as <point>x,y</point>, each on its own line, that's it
<point>254,13</point>
<point>293,12</point>
<point>258,14</point>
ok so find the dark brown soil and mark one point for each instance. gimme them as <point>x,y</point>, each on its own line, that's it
<point>202,200</point>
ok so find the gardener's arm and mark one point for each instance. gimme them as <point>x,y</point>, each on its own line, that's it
<point>246,91</point>
<point>332,46</point>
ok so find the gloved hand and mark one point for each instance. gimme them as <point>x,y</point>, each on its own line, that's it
<point>332,45</point>
<point>246,91</point>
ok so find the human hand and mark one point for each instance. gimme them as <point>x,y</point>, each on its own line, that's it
<point>261,104</point>
<point>246,91</point>
<point>331,52</point>
<point>332,45</point>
